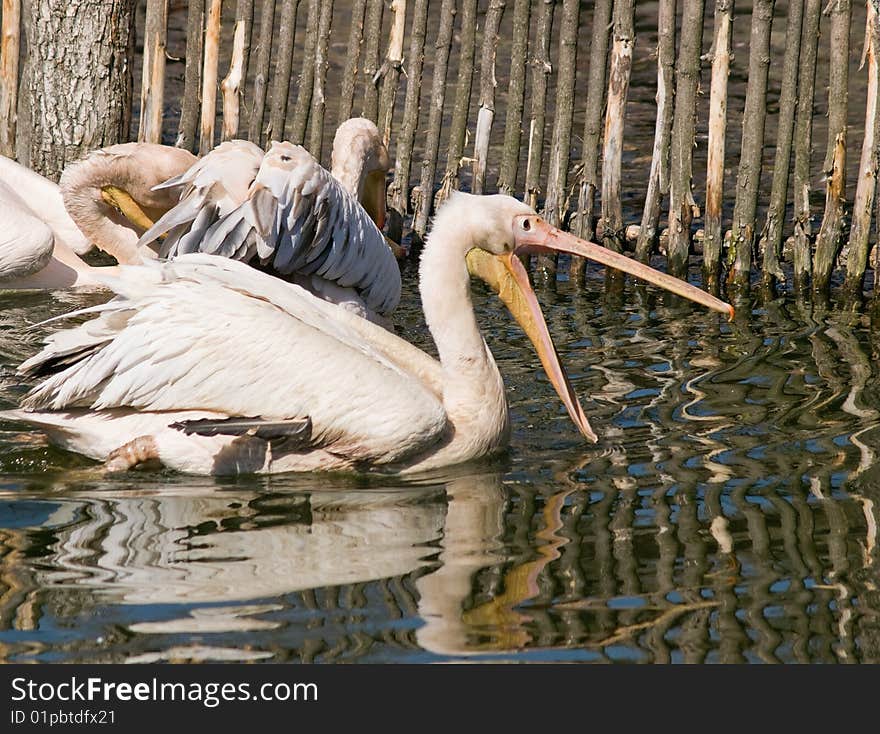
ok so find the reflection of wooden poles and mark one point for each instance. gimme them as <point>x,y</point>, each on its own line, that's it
<point>209,77</point>
<point>658,182</point>
<point>390,71</point>
<point>10,44</point>
<point>422,204</point>
<point>350,71</point>
<point>857,256</point>
<point>717,135</point>
<point>233,84</point>
<point>541,69</point>
<point>681,200</point>
<point>261,74</point>
<point>831,230</point>
<point>771,236</point>
<point>486,115</point>
<point>742,235</point>
<point>316,118</point>
<point>458,125</point>
<point>803,137</point>
<point>515,98</point>
<point>153,76</point>
<point>398,192</point>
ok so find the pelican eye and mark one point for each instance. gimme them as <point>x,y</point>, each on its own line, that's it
<point>285,158</point>
<point>526,225</point>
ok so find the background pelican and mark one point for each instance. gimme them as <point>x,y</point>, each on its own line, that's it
<point>213,367</point>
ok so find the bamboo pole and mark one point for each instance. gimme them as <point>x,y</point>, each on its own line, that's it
<point>399,190</point>
<point>352,56</point>
<point>316,118</point>
<point>857,256</point>
<point>189,108</point>
<point>486,115</point>
<point>422,203</point>
<point>233,84</point>
<point>153,76</point>
<point>658,181</point>
<point>748,179</point>
<point>10,46</point>
<point>717,135</point>
<point>261,75</point>
<point>373,34</point>
<point>515,98</point>
<point>461,107</point>
<point>803,136</point>
<point>284,70</point>
<point>681,200</point>
<point>209,77</point>
<point>541,69</point>
<point>618,87</point>
<point>390,71</point>
<point>771,236</point>
<point>831,231</point>
<point>589,168</point>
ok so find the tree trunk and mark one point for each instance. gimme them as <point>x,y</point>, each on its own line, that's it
<point>76,86</point>
<point>10,45</point>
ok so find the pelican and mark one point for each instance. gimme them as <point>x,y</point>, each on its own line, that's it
<point>46,226</point>
<point>283,211</point>
<point>210,366</point>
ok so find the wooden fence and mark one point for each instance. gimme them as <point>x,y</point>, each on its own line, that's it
<point>594,112</point>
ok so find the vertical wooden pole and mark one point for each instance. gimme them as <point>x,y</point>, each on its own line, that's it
<point>284,69</point>
<point>515,98</point>
<point>261,73</point>
<point>373,35</point>
<point>748,179</point>
<point>390,70</point>
<point>189,108</point>
<point>10,45</point>
<point>209,77</point>
<point>232,85</point>
<point>541,69</point>
<point>713,236</point>
<point>831,231</point>
<point>153,76</point>
<point>681,200</point>
<point>316,117</point>
<point>486,115</point>
<point>424,197</point>
<point>857,257</point>
<point>399,190</point>
<point>461,107</point>
<point>658,181</point>
<point>771,236</point>
<point>803,136</point>
<point>352,56</point>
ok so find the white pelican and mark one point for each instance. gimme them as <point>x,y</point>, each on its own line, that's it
<point>44,227</point>
<point>284,211</point>
<point>211,366</point>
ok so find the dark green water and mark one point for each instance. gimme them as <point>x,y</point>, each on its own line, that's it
<point>728,514</point>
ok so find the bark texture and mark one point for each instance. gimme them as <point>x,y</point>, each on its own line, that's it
<point>187,130</point>
<point>10,47</point>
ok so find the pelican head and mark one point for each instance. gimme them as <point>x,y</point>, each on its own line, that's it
<point>360,161</point>
<point>502,230</point>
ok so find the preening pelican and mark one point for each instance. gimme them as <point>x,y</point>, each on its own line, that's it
<point>211,366</point>
<point>284,211</point>
<point>44,227</point>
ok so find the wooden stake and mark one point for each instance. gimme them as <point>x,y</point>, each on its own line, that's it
<point>153,76</point>
<point>209,77</point>
<point>748,179</point>
<point>771,237</point>
<point>390,71</point>
<point>373,34</point>
<point>681,201</point>
<point>424,197</point>
<point>831,231</point>
<point>717,134</point>
<point>515,98</point>
<point>316,118</point>
<point>352,56</point>
<point>10,45</point>
<point>189,107</point>
<point>658,181</point>
<point>284,70</point>
<point>232,86</point>
<point>857,256</point>
<point>486,115</point>
<point>461,107</point>
<point>803,136</point>
<point>541,69</point>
